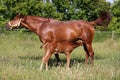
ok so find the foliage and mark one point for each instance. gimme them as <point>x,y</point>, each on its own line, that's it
<point>115,22</point>
<point>61,10</point>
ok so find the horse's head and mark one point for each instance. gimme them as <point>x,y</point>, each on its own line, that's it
<point>14,23</point>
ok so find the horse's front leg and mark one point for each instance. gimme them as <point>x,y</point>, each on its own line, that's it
<point>49,49</point>
<point>44,45</point>
<point>89,53</point>
<point>41,66</point>
<point>45,59</point>
<point>57,57</point>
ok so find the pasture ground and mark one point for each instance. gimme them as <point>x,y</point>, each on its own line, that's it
<point>20,58</point>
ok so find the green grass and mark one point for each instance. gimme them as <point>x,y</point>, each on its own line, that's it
<point>20,58</point>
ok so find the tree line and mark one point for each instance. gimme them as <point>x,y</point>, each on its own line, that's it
<point>62,10</point>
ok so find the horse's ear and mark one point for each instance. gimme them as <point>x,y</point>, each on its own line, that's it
<point>19,15</point>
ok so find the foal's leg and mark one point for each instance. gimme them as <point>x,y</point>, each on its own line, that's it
<point>68,59</point>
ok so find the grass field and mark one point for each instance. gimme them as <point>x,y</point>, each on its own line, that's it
<point>20,58</point>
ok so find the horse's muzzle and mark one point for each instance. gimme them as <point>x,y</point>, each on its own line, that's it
<point>7,27</point>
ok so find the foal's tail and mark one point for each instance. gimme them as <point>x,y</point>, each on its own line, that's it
<point>104,19</point>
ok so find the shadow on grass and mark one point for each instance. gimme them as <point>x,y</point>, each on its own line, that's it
<point>73,61</point>
<point>27,57</point>
<point>53,61</point>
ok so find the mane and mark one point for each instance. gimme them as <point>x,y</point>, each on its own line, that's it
<point>37,18</point>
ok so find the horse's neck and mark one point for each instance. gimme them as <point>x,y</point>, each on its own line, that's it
<point>32,25</point>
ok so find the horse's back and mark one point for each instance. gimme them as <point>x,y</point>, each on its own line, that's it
<point>62,30</point>
<point>67,30</point>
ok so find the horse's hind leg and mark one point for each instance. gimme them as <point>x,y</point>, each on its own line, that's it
<point>89,52</point>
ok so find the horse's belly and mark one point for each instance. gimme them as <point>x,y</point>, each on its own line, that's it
<point>66,36</point>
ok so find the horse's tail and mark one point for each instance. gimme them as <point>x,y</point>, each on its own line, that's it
<point>104,19</point>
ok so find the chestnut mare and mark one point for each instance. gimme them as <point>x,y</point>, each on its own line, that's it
<point>51,32</point>
<point>35,23</point>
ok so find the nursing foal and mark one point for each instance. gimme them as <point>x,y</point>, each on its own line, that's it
<point>59,47</point>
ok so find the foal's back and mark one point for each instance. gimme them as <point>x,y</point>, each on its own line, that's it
<point>66,46</point>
